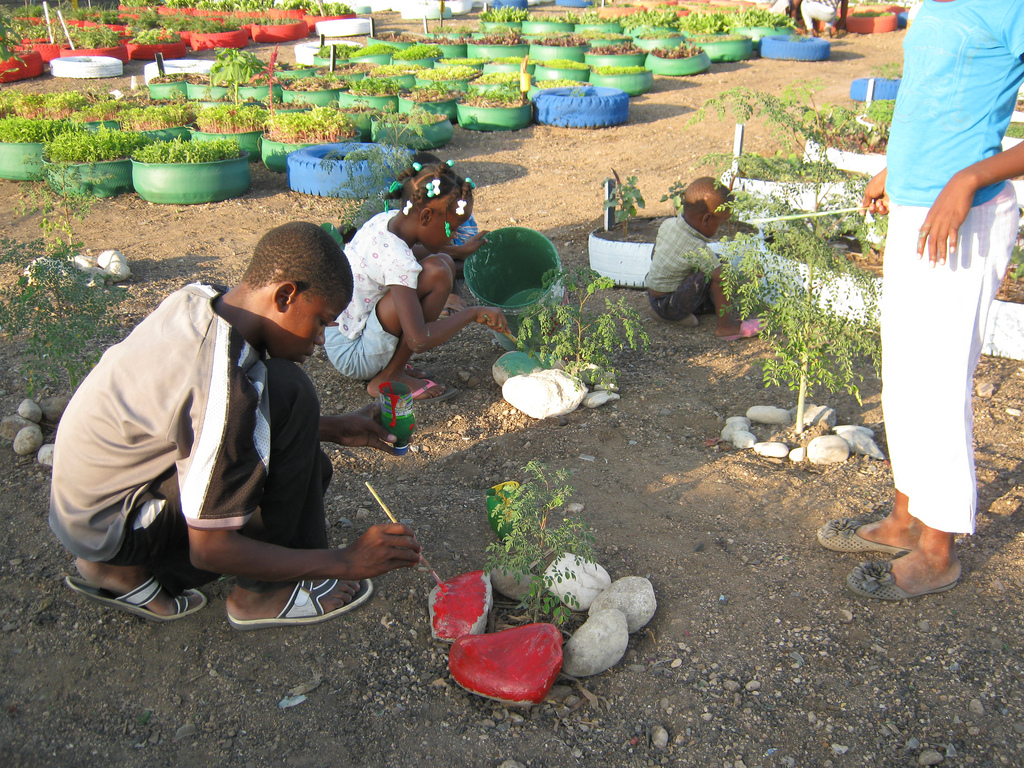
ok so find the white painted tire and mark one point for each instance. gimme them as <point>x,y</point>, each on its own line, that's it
<point>382,6</point>
<point>625,263</point>
<point>343,27</point>
<point>178,66</point>
<point>86,67</point>
<point>460,7</point>
<point>304,53</point>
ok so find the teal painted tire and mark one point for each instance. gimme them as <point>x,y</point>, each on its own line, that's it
<point>192,183</point>
<point>495,118</point>
<point>316,98</point>
<point>693,65</point>
<point>167,91</point>
<point>447,108</point>
<point>633,84</point>
<point>550,52</point>
<point>102,179</point>
<point>377,102</point>
<point>249,141</point>
<point>618,60</point>
<point>275,153</point>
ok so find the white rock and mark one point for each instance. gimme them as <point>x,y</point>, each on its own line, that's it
<point>862,444</point>
<point>729,430</point>
<point>768,414</point>
<point>85,262</point>
<point>574,508</point>
<point>113,263</point>
<point>53,407</point>
<point>28,440</point>
<point>659,737</point>
<point>576,582</point>
<point>29,410</point>
<point>820,415</point>
<point>828,449</point>
<point>930,757</point>
<point>632,595</point>
<point>598,398</point>
<point>12,425</point>
<point>798,454</point>
<point>544,393</point>
<point>506,583</point>
<point>842,429</point>
<point>738,420</point>
<point>598,645</point>
<point>774,450</point>
<point>743,439</point>
<point>45,455</point>
<point>513,364</point>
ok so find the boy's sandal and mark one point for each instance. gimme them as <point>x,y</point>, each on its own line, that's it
<point>303,606</point>
<point>135,602</point>
<point>417,373</point>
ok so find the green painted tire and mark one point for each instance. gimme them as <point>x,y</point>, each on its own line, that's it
<point>192,183</point>
<point>620,60</point>
<point>671,41</point>
<point>375,58</point>
<point>447,108</point>
<point>169,134</point>
<point>633,84</point>
<point>474,51</point>
<point>167,91</point>
<point>550,52</point>
<point>559,73</point>
<point>693,65</point>
<point>430,137</point>
<point>295,74</point>
<point>499,26</point>
<point>728,50</point>
<point>347,99</point>
<point>316,98</point>
<point>258,92</point>
<point>275,153</point>
<point>546,27</point>
<point>248,140</point>
<point>500,66</point>
<point>495,118</point>
<point>207,92</point>
<point>102,179</point>
<point>607,26</point>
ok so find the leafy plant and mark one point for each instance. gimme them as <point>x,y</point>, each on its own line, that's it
<point>498,78</point>
<point>618,70</point>
<point>343,51</point>
<point>509,37</point>
<point>94,37</point>
<point>234,67</point>
<point>395,70</point>
<point>574,331</point>
<point>558,83</point>
<point>406,129</point>
<point>54,310</point>
<point>758,17</point>
<point>705,23</point>
<point>319,125</point>
<point>665,18</point>
<point>626,199</point>
<point>561,41</point>
<point>230,118</point>
<point>414,52</point>
<point>21,130</point>
<point>620,49</point>
<point>681,51</point>
<point>179,151</point>
<point>505,14</point>
<point>376,86</point>
<point>365,191</point>
<point>503,96</point>
<point>377,49</point>
<point>157,118</point>
<point>94,147</point>
<point>156,36</point>
<point>449,74</point>
<point>562,64</point>
<point>534,540</point>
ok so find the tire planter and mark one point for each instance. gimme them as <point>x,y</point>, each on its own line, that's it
<point>178,66</point>
<point>258,92</point>
<point>633,84</point>
<point>802,49</point>
<point>386,103</point>
<point>884,89</point>
<point>551,52</point>
<point>321,169</point>
<point>305,53</point>
<point>500,66</point>
<point>612,27</point>
<point>451,51</point>
<point>397,45</point>
<point>474,51</point>
<point>198,92</point>
<point>279,33</point>
<point>86,67</point>
<point>456,85</point>
<point>30,64</point>
<point>192,183</point>
<point>867,25</point>
<point>586,107</point>
<point>494,118</point>
<point>315,98</point>
<point>294,74</point>
<point>205,41</point>
<point>486,27</point>
<point>275,153</point>
<point>139,52</point>
<point>119,52</point>
<point>249,141</point>
<point>21,161</point>
<point>729,50</point>
<point>546,27</point>
<point>447,108</point>
<point>560,73</point>
<point>520,4</point>
<point>620,60</point>
<point>757,33</point>
<point>434,136</point>
<point>102,179</point>
<point>672,41</point>
<point>692,65</point>
<point>373,58</point>
<point>624,262</point>
<point>363,121</point>
<point>49,51</point>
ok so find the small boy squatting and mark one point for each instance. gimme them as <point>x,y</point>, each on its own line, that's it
<point>685,278</point>
<point>192,450</point>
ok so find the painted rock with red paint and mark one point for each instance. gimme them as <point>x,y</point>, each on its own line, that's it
<point>460,606</point>
<point>514,666</point>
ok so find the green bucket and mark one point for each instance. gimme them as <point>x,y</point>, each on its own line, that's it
<point>508,272</point>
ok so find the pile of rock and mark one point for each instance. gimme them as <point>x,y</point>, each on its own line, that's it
<point>25,428</point>
<point>541,392</point>
<point>832,448</point>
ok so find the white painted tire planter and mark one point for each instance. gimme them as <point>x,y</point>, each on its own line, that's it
<point>870,164</point>
<point>304,53</point>
<point>179,66</point>
<point>86,67</point>
<point>343,28</point>
<point>624,262</point>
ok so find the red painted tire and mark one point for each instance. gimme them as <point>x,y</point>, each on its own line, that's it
<point>29,65</point>
<point>202,41</point>
<point>141,52</point>
<point>119,52</point>
<point>280,33</point>
<point>867,25</point>
<point>49,51</point>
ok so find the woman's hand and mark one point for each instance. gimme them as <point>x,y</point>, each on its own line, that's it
<point>875,199</point>
<point>941,228</point>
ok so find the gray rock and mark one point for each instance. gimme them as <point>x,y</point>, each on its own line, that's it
<point>798,454</point>
<point>842,429</point>
<point>45,455</point>
<point>930,757</point>
<point>597,398</point>
<point>505,583</point>
<point>769,414</point>
<point>12,425</point>
<point>53,407</point>
<point>29,410</point>
<point>753,685</point>
<point>598,645</point>
<point>510,763</point>
<point>659,737</point>
<point>774,450</point>
<point>632,595</point>
<point>828,449</point>
<point>574,508</point>
<point>743,440</point>
<point>28,440</point>
<point>986,389</point>
<point>114,264</point>
<point>976,707</point>
<point>861,444</point>
<point>820,415</point>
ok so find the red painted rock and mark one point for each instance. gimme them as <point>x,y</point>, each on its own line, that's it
<point>460,606</point>
<point>514,666</point>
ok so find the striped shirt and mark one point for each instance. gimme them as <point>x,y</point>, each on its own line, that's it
<point>679,251</point>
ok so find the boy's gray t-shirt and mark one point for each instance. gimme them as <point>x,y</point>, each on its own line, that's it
<point>183,391</point>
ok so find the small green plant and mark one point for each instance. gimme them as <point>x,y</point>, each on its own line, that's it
<point>406,129</point>
<point>319,125</point>
<point>375,86</point>
<point>626,200</point>
<point>534,540</point>
<point>675,195</point>
<point>94,147</point>
<point>377,49</point>
<point>891,71</point>
<point>414,52</point>
<point>758,17</point>
<point>395,70</point>
<point>705,23</point>
<point>505,14</point>
<point>87,38</point>
<point>21,130</point>
<point>560,82</point>
<point>156,36</point>
<point>55,311</point>
<point>582,331</point>
<point>157,117</point>
<point>563,64</point>
<point>664,18</point>
<point>448,74</point>
<point>502,96</point>
<point>230,118</point>
<point>234,67</point>
<point>498,78</point>
<point>179,151</point>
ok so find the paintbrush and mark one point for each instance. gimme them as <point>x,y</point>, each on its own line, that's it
<point>395,520</point>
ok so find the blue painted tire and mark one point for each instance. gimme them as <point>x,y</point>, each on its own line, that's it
<point>884,89</point>
<point>901,19</point>
<point>600,108</point>
<point>574,3</point>
<point>322,170</point>
<point>804,49</point>
<point>520,4</point>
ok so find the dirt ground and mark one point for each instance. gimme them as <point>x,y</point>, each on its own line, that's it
<point>758,655</point>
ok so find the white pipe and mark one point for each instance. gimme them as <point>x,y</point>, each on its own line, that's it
<point>49,27</point>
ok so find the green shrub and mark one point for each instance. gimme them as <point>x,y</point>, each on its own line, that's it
<point>445,74</point>
<point>498,78</point>
<point>179,151</point>
<point>22,130</point>
<point>89,147</point>
<point>377,49</point>
<point>414,52</point>
<point>563,64</point>
<point>319,125</point>
<point>231,118</point>
<point>618,70</point>
<point>157,117</point>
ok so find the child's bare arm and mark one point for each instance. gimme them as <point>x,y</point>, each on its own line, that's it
<point>457,252</point>
<point>421,335</point>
